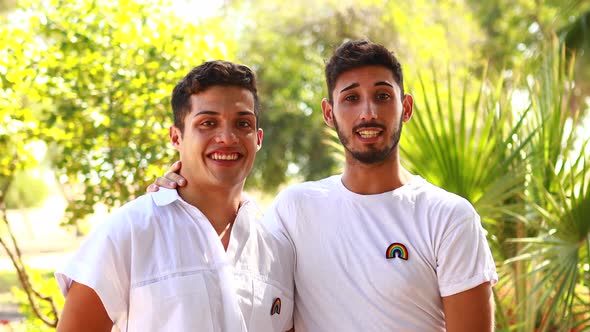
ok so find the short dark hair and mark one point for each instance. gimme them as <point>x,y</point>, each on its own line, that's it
<point>208,74</point>
<point>358,53</point>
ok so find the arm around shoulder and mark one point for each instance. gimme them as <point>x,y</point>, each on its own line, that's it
<point>83,311</point>
<point>471,310</point>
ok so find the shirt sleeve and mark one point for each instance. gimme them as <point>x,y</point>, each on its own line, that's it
<point>464,259</point>
<point>275,223</point>
<point>102,263</point>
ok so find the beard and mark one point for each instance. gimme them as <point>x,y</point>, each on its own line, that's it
<point>372,155</point>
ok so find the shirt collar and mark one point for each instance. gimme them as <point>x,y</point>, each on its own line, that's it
<point>165,196</point>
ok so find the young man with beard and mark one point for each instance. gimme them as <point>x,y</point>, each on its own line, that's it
<point>377,248</point>
<point>196,259</point>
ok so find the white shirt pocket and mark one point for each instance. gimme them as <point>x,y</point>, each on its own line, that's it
<point>272,309</point>
<point>171,303</point>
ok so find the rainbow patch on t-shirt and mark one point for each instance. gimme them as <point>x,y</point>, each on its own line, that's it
<point>397,250</point>
<point>276,307</point>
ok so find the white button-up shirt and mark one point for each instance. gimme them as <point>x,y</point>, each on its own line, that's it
<point>157,264</point>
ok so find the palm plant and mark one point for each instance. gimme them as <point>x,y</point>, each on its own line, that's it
<point>560,253</point>
<point>476,151</point>
<point>473,150</point>
<point>558,200</point>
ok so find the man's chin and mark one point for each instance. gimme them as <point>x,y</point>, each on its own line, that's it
<point>229,181</point>
<point>372,156</point>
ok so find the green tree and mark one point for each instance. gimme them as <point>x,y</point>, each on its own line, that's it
<point>517,30</point>
<point>109,77</point>
<point>19,130</point>
<point>556,244</point>
<point>7,5</point>
<point>576,36</point>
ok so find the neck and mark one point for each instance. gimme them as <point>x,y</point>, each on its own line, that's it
<point>367,179</point>
<point>219,205</point>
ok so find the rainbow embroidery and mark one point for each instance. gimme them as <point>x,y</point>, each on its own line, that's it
<point>276,307</point>
<point>397,250</point>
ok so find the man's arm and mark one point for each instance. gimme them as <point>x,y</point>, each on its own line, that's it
<point>83,311</point>
<point>471,310</point>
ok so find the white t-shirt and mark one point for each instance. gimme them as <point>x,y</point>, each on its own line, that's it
<point>157,264</point>
<point>379,262</point>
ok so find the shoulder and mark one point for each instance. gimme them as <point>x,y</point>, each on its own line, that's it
<point>306,196</point>
<point>272,240</point>
<point>140,206</point>
<point>266,246</point>
<point>265,234</point>
<point>109,244</point>
<point>309,189</point>
<point>134,210</point>
<point>123,221</point>
<point>441,212</point>
<point>440,201</point>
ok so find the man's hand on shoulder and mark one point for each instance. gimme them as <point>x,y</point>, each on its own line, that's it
<point>170,180</point>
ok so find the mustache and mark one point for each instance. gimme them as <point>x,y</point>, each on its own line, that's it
<point>368,125</point>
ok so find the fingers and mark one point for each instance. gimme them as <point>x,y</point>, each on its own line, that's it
<point>174,176</point>
<point>170,180</point>
<point>175,167</point>
<point>164,181</point>
<point>152,188</point>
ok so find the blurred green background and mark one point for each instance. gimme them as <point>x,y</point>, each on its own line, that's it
<point>502,92</point>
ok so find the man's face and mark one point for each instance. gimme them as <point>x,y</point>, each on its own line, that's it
<point>220,138</point>
<point>367,113</point>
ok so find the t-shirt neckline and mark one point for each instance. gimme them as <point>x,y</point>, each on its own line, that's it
<point>414,181</point>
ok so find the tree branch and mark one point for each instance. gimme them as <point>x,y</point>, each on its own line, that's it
<point>13,251</point>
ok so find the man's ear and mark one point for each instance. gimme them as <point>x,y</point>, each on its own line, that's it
<point>327,112</point>
<point>408,106</point>
<point>259,135</point>
<point>175,136</point>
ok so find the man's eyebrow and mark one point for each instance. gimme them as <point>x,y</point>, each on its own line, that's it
<point>384,83</point>
<point>352,86</point>
<point>355,85</point>
<point>205,112</point>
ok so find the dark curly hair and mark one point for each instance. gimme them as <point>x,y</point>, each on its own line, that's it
<point>209,74</point>
<point>358,53</point>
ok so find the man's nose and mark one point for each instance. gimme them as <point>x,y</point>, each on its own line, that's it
<point>226,135</point>
<point>368,111</point>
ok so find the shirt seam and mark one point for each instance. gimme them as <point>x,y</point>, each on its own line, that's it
<point>167,276</point>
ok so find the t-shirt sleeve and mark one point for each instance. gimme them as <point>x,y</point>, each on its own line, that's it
<point>102,263</point>
<point>275,221</point>
<point>279,219</point>
<point>464,259</point>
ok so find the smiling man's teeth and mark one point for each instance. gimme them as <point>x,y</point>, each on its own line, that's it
<point>224,156</point>
<point>369,133</point>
